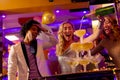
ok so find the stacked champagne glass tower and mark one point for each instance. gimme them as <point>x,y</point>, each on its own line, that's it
<point>80,48</point>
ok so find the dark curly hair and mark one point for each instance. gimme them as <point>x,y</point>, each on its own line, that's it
<point>28,25</point>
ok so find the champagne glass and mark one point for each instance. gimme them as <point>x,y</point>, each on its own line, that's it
<point>84,61</point>
<point>72,62</point>
<point>87,47</point>
<point>80,33</point>
<point>76,46</point>
<point>96,60</point>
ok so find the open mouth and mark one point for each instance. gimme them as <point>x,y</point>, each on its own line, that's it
<point>68,34</point>
<point>107,30</point>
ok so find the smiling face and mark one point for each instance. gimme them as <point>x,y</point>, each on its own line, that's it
<point>107,26</point>
<point>68,31</point>
<point>35,31</point>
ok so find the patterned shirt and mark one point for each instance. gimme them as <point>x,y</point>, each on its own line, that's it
<point>34,73</point>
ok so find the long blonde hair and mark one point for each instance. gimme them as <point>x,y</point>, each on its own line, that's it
<point>61,42</point>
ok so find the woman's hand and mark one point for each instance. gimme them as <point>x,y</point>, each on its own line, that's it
<point>101,21</point>
<point>43,29</point>
<point>100,18</point>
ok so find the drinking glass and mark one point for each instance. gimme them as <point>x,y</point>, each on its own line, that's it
<point>84,61</point>
<point>72,62</point>
<point>80,33</point>
<point>76,47</point>
<point>96,60</point>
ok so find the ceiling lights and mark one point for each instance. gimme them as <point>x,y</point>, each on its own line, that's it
<point>12,37</point>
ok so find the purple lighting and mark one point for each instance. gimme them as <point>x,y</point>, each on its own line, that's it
<point>87,34</point>
<point>3,16</point>
<point>84,11</point>
<point>57,11</point>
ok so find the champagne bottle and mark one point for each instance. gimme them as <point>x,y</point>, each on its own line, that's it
<point>105,11</point>
<point>102,11</point>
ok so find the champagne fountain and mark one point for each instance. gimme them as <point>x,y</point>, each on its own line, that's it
<point>80,47</point>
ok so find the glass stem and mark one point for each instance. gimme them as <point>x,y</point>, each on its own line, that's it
<point>84,66</point>
<point>96,65</point>
<point>81,39</point>
<point>89,53</point>
<point>77,54</point>
<point>73,69</point>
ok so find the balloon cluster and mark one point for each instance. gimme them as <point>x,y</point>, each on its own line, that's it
<point>48,17</point>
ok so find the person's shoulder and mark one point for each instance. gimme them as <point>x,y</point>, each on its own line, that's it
<point>17,44</point>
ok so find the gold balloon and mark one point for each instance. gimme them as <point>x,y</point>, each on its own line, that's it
<point>48,17</point>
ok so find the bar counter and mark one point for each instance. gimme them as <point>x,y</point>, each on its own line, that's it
<point>91,75</point>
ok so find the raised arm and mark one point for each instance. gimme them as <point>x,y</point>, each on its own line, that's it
<point>47,38</point>
<point>93,36</point>
<point>97,29</point>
